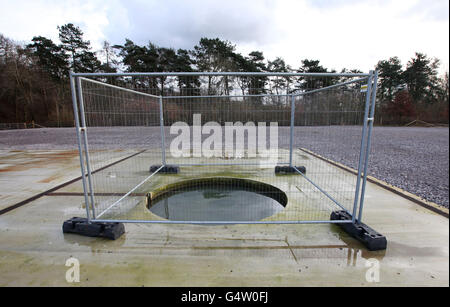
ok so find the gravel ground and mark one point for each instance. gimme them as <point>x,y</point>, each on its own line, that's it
<point>414,159</point>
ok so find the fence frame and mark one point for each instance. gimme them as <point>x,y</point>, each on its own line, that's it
<point>83,148</point>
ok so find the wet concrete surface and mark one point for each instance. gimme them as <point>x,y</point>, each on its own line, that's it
<point>33,249</point>
<point>25,173</point>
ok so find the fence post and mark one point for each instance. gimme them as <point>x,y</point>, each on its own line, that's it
<point>291,140</point>
<point>161,124</point>
<point>363,145</point>
<point>369,139</point>
<point>77,124</point>
<point>86,147</point>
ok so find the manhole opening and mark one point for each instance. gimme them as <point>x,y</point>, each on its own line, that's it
<point>216,199</point>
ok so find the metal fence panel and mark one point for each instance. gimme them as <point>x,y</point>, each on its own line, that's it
<point>226,133</point>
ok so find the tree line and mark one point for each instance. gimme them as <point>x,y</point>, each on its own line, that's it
<point>414,92</point>
<point>34,84</point>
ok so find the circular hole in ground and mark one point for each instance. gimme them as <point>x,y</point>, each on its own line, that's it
<point>216,199</point>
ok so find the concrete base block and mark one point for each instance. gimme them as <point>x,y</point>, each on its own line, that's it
<point>289,170</point>
<point>80,225</point>
<point>167,169</point>
<point>370,238</point>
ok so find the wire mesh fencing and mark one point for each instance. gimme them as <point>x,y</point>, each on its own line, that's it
<point>220,147</point>
<point>120,124</point>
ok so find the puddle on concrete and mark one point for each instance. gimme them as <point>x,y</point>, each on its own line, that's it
<point>232,200</point>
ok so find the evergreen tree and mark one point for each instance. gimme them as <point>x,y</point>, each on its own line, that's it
<point>279,83</point>
<point>421,77</point>
<point>136,58</point>
<point>188,85</point>
<point>313,66</point>
<point>81,58</point>
<point>256,63</point>
<point>391,78</point>
<point>50,57</point>
<point>140,59</point>
<point>215,55</point>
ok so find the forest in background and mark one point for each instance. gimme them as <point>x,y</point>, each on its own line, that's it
<point>34,77</point>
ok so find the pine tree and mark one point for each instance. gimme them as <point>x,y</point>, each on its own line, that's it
<point>391,78</point>
<point>81,58</point>
<point>421,77</point>
<point>313,66</point>
<point>50,57</point>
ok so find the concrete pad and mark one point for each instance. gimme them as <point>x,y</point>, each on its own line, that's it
<point>25,173</point>
<point>33,249</point>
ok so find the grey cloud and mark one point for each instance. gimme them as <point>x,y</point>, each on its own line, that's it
<point>180,24</point>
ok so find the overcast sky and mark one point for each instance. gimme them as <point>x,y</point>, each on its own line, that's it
<point>340,33</point>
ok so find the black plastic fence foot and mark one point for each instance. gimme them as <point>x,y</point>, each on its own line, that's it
<point>80,225</point>
<point>167,169</point>
<point>370,238</point>
<point>289,170</point>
